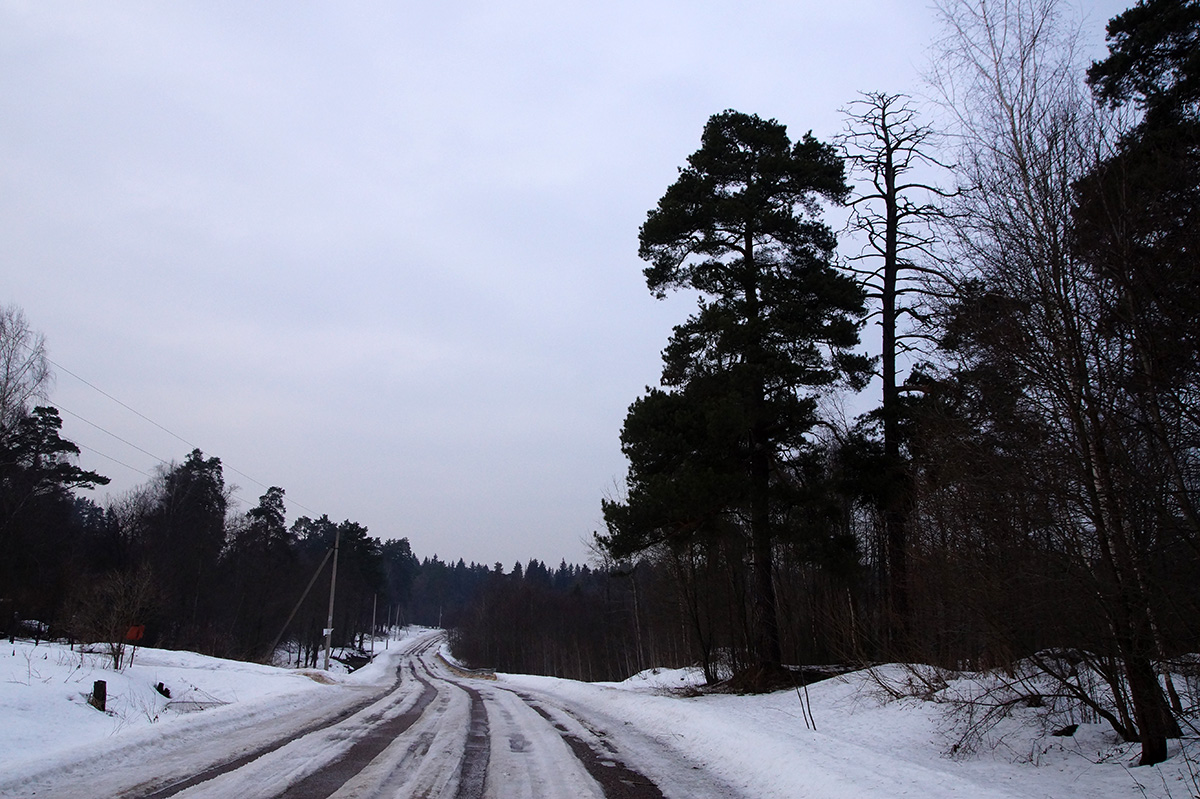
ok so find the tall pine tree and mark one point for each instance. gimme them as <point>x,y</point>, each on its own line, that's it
<point>775,323</point>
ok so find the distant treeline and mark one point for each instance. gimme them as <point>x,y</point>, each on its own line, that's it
<point>609,623</point>
<point>573,621</point>
<point>174,557</point>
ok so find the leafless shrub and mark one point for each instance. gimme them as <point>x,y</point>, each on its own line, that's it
<point>1061,687</point>
<point>103,612</point>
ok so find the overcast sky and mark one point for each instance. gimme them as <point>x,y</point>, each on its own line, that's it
<point>384,254</point>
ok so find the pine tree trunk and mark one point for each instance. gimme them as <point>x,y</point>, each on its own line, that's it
<point>766,622</point>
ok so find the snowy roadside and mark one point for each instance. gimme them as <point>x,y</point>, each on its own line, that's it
<point>51,741</point>
<point>862,746</point>
<point>49,734</point>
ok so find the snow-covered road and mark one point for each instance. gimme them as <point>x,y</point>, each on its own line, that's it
<point>408,725</point>
<point>444,735</point>
<point>432,733</point>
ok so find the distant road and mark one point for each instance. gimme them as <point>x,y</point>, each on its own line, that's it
<point>438,734</point>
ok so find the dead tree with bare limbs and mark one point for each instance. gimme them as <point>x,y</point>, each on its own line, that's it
<point>892,211</point>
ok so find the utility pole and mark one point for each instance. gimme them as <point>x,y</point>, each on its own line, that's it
<point>303,596</point>
<point>337,540</point>
<point>374,604</point>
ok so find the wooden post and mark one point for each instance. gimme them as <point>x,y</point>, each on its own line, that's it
<point>99,695</point>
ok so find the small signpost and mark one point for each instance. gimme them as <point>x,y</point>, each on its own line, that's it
<point>134,634</point>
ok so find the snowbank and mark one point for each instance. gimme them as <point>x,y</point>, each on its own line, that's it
<point>866,745</point>
<point>48,729</point>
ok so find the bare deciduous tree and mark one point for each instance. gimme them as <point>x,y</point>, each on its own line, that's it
<point>24,368</point>
<point>1009,75</point>
<point>105,611</point>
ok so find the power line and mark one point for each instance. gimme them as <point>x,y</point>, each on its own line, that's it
<point>109,432</point>
<point>111,458</point>
<point>122,404</point>
<point>171,433</point>
<point>135,446</point>
<point>95,451</point>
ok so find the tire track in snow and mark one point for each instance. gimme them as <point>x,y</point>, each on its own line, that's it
<point>456,740</point>
<point>382,734</point>
<point>645,765</point>
<point>443,754</point>
<point>614,776</point>
<point>530,760</point>
<point>243,760</point>
<point>600,760</point>
<point>477,752</point>
<point>429,759</point>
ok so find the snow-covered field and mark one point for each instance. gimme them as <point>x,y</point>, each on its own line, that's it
<point>862,746</point>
